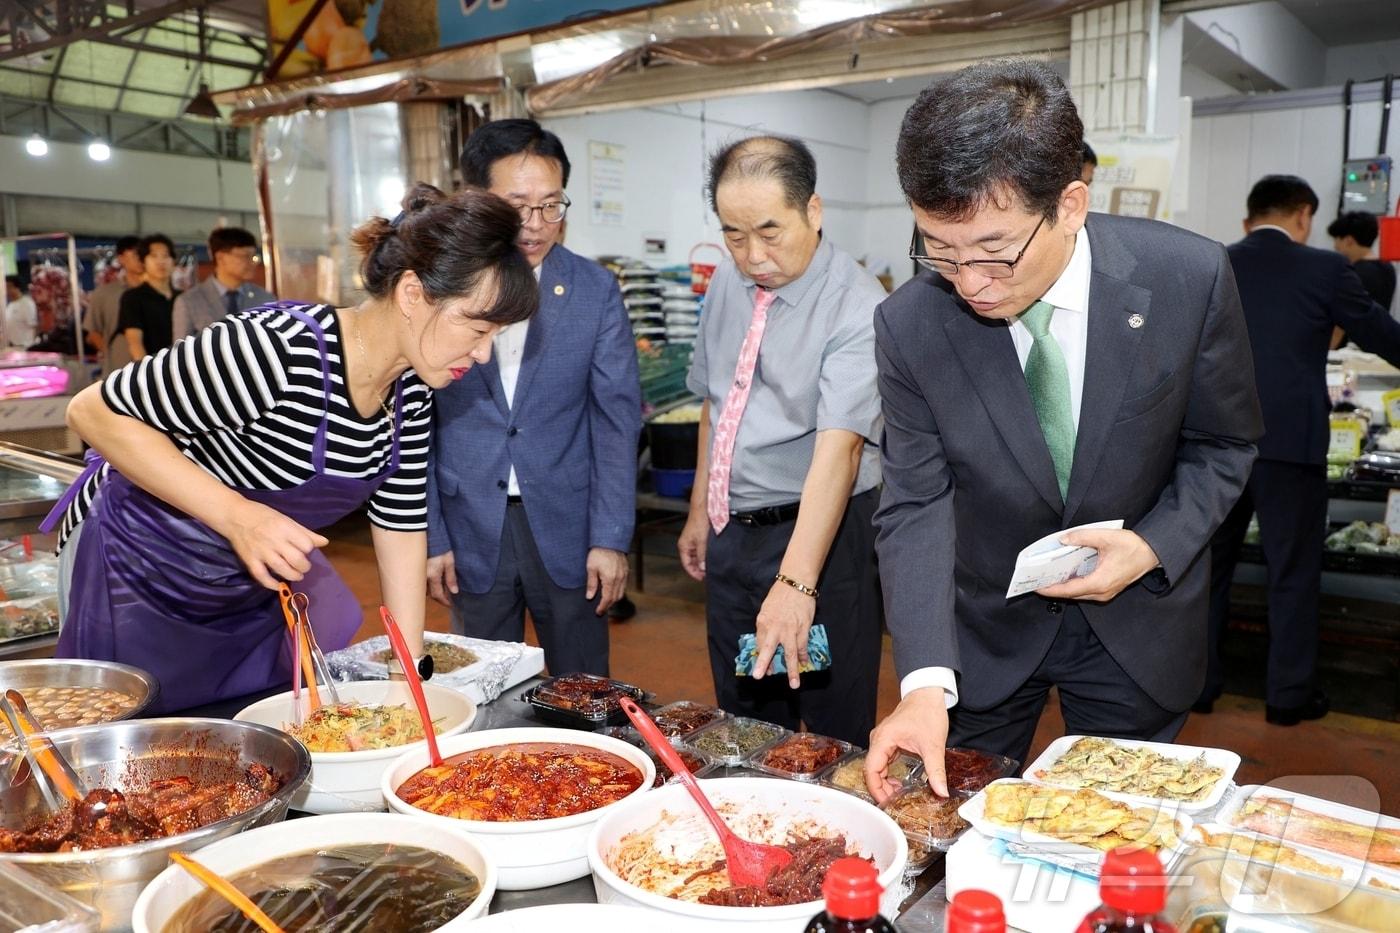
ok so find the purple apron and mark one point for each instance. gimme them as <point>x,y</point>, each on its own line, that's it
<point>159,590</point>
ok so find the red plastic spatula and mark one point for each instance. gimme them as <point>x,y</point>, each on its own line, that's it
<point>750,863</point>
<point>415,686</point>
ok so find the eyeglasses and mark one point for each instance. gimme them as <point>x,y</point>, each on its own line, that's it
<point>991,268</point>
<point>551,212</point>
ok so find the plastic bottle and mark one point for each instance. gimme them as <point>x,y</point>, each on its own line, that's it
<point>852,900</point>
<point>974,911</point>
<point>1134,892</point>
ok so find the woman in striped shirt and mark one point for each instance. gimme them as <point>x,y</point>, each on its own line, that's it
<point>221,458</point>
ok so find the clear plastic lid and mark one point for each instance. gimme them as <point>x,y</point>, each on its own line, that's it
<point>735,738</point>
<point>970,770</point>
<point>848,774</point>
<point>929,821</point>
<point>587,695</point>
<point>27,905</point>
<point>685,717</point>
<point>700,763</point>
<point>802,755</point>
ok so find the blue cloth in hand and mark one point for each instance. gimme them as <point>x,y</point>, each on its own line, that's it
<point>818,651</point>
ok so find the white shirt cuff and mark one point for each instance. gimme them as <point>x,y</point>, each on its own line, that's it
<point>931,677</point>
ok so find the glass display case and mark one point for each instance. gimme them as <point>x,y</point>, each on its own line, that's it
<point>31,481</point>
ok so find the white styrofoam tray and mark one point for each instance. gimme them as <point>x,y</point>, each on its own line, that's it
<point>1365,818</point>
<point>1083,858</point>
<point>1226,760</point>
<point>1353,870</point>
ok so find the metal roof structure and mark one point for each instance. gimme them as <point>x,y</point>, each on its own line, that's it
<point>124,71</point>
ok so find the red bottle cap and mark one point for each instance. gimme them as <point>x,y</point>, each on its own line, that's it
<point>851,889</point>
<point>974,911</point>
<point>1131,880</point>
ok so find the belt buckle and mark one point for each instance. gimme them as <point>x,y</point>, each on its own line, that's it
<point>743,518</point>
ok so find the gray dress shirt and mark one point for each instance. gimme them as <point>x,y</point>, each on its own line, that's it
<point>815,372</point>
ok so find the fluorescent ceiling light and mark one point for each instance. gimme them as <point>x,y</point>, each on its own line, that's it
<point>36,146</point>
<point>98,151</point>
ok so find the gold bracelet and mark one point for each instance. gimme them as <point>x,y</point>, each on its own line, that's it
<point>800,587</point>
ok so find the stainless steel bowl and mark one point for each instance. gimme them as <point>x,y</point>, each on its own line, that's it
<point>65,672</point>
<point>130,754</point>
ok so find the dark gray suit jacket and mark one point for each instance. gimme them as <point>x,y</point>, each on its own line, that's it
<point>202,305</point>
<point>1167,431</point>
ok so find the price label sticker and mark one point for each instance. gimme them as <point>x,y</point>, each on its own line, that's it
<point>1391,402</point>
<point>1392,511</point>
<point>1345,444</point>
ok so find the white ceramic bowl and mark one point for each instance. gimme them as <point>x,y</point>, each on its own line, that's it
<point>348,782</point>
<point>534,853</point>
<point>164,896</point>
<point>873,833</point>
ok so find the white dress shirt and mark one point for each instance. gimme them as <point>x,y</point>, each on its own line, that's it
<point>509,347</point>
<point>1069,325</point>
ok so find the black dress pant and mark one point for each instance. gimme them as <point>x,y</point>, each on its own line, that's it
<point>574,637</point>
<point>1291,502</point>
<point>1097,697</point>
<point>739,567</point>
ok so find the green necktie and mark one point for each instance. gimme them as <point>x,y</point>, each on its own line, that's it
<point>1047,377</point>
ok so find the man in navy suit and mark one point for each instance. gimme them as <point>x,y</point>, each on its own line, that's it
<point>1293,297</point>
<point>533,472</point>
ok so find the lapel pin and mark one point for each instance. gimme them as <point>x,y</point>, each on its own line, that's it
<point>558,289</point>
<point>1135,321</point>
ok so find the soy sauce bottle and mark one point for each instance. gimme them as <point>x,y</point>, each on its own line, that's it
<point>974,911</point>
<point>1134,893</point>
<point>852,900</point>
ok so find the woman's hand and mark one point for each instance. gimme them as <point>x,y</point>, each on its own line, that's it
<point>272,546</point>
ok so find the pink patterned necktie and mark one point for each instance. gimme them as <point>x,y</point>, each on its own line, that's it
<point>727,428</point>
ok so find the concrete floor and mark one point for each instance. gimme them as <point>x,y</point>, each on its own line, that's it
<point>662,649</point>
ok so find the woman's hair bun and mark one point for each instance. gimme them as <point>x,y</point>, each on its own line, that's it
<point>454,244</point>
<point>421,197</point>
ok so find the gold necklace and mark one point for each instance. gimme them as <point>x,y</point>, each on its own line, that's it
<point>364,357</point>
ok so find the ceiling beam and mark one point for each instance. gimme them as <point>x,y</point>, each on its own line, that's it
<point>56,73</point>
<point>139,46</point>
<point>126,76</point>
<point>104,29</point>
<point>95,82</point>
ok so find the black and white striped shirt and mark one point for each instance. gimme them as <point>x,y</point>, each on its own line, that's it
<point>244,397</point>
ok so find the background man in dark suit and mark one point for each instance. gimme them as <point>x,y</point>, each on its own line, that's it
<point>1052,369</point>
<point>1293,296</point>
<point>234,252</point>
<point>532,481</point>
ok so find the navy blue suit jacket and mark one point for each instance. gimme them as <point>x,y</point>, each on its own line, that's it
<point>571,435</point>
<point>1292,296</point>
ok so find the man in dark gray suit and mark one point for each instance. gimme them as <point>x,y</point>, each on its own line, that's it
<point>1049,369</point>
<point>234,252</point>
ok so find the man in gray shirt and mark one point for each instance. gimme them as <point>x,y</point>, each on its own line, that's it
<point>105,307</point>
<point>780,523</point>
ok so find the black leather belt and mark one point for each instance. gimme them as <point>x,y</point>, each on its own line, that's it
<point>514,500</point>
<point>772,515</point>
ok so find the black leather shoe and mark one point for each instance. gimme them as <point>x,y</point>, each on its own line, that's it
<point>1317,706</point>
<point>1206,704</point>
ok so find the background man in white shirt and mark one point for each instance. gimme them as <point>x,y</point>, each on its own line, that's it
<point>1050,369</point>
<point>21,315</point>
